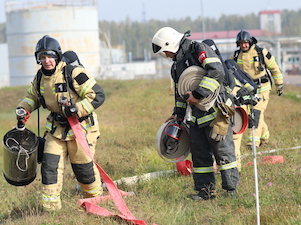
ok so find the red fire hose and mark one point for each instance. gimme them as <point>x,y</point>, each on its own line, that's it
<point>115,194</point>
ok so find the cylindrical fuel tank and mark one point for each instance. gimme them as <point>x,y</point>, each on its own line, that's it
<point>73,24</point>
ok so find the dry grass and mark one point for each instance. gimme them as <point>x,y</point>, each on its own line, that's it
<point>129,120</point>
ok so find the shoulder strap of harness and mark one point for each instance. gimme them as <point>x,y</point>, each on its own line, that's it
<point>262,63</point>
<point>260,54</point>
<point>236,53</point>
<point>38,89</point>
<point>69,69</point>
<point>192,46</point>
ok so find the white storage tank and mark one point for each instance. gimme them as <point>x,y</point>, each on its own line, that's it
<point>73,23</point>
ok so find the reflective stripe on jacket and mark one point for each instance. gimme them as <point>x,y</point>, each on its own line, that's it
<point>87,96</point>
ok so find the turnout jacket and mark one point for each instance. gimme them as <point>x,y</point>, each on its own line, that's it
<point>87,96</point>
<point>199,54</point>
<point>250,62</point>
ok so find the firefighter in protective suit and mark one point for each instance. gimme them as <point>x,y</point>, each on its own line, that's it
<point>85,96</point>
<point>262,68</point>
<point>210,133</point>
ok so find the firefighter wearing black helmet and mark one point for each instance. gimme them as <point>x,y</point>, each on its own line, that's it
<point>262,67</point>
<point>85,96</point>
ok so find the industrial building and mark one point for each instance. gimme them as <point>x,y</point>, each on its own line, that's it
<point>74,23</point>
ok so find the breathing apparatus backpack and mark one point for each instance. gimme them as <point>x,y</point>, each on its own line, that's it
<point>228,79</point>
<point>233,71</point>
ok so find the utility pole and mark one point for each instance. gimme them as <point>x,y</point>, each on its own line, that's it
<point>203,20</point>
<point>143,14</point>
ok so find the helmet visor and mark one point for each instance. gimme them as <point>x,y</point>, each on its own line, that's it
<point>156,48</point>
<point>243,42</point>
<point>48,53</point>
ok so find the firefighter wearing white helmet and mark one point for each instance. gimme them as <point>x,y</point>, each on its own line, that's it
<point>84,95</point>
<point>209,130</point>
<point>262,67</point>
<point>166,39</point>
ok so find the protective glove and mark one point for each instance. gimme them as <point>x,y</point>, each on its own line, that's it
<point>279,89</point>
<point>69,110</point>
<point>221,123</point>
<point>242,92</point>
<point>180,115</point>
<point>248,100</point>
<point>179,120</point>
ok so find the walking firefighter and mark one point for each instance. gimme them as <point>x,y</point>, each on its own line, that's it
<point>64,90</point>
<point>262,67</point>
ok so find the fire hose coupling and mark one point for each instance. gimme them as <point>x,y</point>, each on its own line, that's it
<point>22,116</point>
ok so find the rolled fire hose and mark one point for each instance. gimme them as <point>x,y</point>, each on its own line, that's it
<point>183,148</point>
<point>189,81</point>
<point>240,120</point>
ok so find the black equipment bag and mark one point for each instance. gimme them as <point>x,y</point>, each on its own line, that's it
<point>228,79</point>
<point>240,75</point>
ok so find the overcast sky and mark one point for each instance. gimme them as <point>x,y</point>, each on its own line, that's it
<point>177,9</point>
<point>140,10</point>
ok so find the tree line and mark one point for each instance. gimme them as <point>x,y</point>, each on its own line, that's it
<point>137,36</point>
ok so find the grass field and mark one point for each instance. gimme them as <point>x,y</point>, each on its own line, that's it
<point>129,120</point>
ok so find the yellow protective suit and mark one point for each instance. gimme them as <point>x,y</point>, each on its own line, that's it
<point>60,140</point>
<point>237,138</point>
<point>250,63</point>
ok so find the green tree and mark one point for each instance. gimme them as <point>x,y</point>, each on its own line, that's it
<point>2,32</point>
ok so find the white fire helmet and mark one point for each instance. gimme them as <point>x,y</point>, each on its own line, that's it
<point>166,39</point>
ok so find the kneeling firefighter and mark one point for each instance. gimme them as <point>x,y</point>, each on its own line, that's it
<point>209,130</point>
<point>54,82</point>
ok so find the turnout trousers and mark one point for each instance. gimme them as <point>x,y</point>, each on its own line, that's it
<point>262,133</point>
<point>55,155</point>
<point>237,138</point>
<point>203,149</point>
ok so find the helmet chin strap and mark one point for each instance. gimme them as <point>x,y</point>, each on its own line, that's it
<point>186,34</point>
